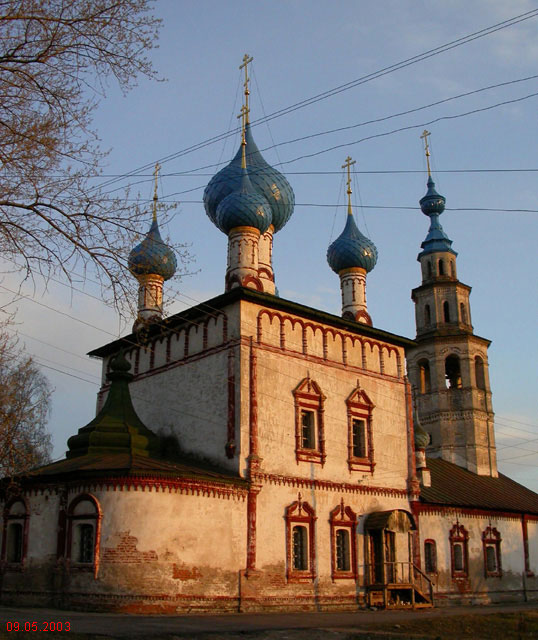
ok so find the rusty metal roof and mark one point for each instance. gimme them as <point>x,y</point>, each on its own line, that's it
<point>458,487</point>
<point>128,465</point>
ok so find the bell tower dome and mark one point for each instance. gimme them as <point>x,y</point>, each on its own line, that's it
<point>449,365</point>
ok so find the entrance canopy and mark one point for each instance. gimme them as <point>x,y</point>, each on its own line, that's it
<point>398,520</point>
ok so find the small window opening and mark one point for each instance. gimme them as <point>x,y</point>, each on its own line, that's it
<point>441,267</point>
<point>427,315</point>
<point>14,542</point>
<point>452,269</point>
<point>342,550</point>
<point>429,269</point>
<point>453,372</point>
<point>85,543</point>
<point>424,373</point>
<point>491,559</point>
<point>359,438</point>
<point>446,311</point>
<point>308,422</point>
<point>463,313</point>
<point>430,556</point>
<point>300,548</point>
<point>479,372</point>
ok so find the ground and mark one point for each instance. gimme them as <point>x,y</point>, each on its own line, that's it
<point>507,622</point>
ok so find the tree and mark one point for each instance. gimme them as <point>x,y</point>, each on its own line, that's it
<point>56,57</point>
<point>25,396</point>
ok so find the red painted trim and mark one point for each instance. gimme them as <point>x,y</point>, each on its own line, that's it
<point>96,516</point>
<point>253,412</point>
<point>434,545</point>
<point>300,513</point>
<point>359,406</point>
<point>251,529</point>
<point>309,397</point>
<point>412,480</point>
<point>453,510</point>
<point>491,537</point>
<point>230,443</point>
<point>22,519</point>
<point>459,535</point>
<point>342,517</point>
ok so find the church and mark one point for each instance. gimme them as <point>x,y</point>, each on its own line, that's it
<point>254,454</point>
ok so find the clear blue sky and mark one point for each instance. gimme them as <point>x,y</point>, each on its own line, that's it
<point>301,49</point>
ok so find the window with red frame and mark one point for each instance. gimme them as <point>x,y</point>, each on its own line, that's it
<point>459,551</point>
<point>309,422</point>
<point>491,543</point>
<point>360,439</point>
<point>300,541</point>
<point>15,533</point>
<point>83,531</point>
<point>430,556</point>
<point>343,522</point>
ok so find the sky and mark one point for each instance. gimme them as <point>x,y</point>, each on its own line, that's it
<point>483,159</point>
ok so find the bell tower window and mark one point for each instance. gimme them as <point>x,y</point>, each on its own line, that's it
<point>453,372</point>
<point>427,315</point>
<point>441,267</point>
<point>463,313</point>
<point>446,311</point>
<point>479,372</point>
<point>424,376</point>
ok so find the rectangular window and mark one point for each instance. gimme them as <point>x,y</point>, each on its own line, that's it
<point>85,543</point>
<point>300,548</point>
<point>14,542</point>
<point>308,424</point>
<point>459,565</point>
<point>342,550</point>
<point>359,438</point>
<point>430,556</point>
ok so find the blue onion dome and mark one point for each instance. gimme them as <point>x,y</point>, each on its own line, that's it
<point>351,249</point>
<point>432,202</point>
<point>152,256</point>
<point>433,205</point>
<point>245,207</point>
<point>264,178</point>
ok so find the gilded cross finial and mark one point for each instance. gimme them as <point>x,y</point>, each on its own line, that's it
<point>347,165</point>
<point>246,60</point>
<point>155,197</point>
<point>424,136</point>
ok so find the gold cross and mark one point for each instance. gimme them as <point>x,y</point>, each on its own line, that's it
<point>347,165</point>
<point>246,60</point>
<point>424,136</point>
<point>155,198</point>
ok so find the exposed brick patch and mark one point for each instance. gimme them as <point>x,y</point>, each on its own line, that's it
<point>182,572</point>
<point>125,552</point>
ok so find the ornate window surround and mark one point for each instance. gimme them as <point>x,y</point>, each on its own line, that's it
<point>15,518</point>
<point>345,518</point>
<point>360,407</point>
<point>309,397</point>
<point>73,519</point>
<point>491,538</point>
<point>459,536</point>
<point>302,514</point>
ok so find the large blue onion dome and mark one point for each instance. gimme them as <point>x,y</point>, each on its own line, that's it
<point>433,205</point>
<point>351,249</point>
<point>264,178</point>
<point>244,207</point>
<point>152,256</point>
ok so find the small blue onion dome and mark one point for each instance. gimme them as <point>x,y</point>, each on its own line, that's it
<point>433,205</point>
<point>245,207</point>
<point>152,256</point>
<point>264,178</point>
<point>351,249</point>
<point>432,202</point>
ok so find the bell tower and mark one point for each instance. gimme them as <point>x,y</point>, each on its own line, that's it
<point>449,365</point>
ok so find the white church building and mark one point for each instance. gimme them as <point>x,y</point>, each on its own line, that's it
<point>253,453</point>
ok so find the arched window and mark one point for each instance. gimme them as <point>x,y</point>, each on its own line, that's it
<point>479,372</point>
<point>360,449</point>
<point>424,376</point>
<point>453,372</point>
<point>446,311</point>
<point>427,315</point>
<point>343,522</point>
<point>15,534</point>
<point>83,532</point>
<point>452,269</point>
<point>300,536</point>
<point>459,553</point>
<point>430,556</point>
<point>463,313</point>
<point>491,543</point>
<point>441,267</point>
